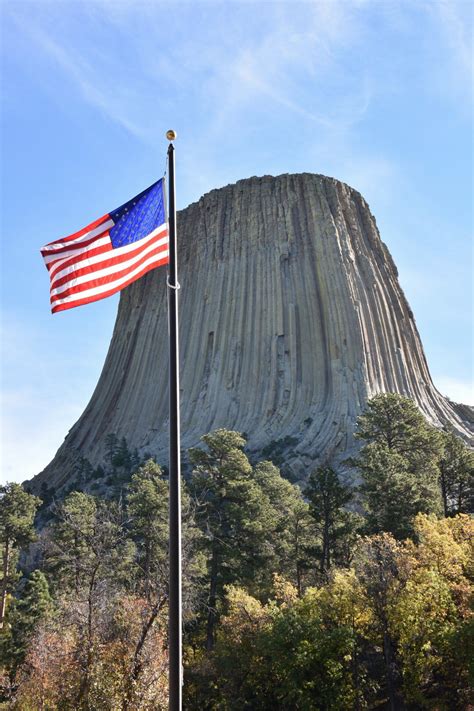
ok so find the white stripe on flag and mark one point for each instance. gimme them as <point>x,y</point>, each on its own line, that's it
<point>83,238</point>
<point>60,259</point>
<point>105,256</point>
<point>111,284</point>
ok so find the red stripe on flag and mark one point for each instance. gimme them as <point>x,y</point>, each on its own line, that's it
<point>104,249</point>
<point>114,290</point>
<point>111,257</point>
<point>85,266</point>
<point>116,274</point>
<point>45,251</point>
<point>64,252</point>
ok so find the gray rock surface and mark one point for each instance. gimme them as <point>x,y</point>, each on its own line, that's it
<point>291,317</point>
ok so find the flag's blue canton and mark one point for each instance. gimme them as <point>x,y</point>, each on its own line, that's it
<point>138,217</point>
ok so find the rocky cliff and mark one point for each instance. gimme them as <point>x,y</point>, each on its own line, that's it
<point>291,318</point>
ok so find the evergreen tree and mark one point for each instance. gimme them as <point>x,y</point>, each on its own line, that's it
<point>32,605</point>
<point>328,497</point>
<point>293,528</point>
<point>395,421</point>
<point>83,471</point>
<point>122,458</point>
<point>111,449</point>
<point>147,507</point>
<point>456,476</point>
<point>17,513</point>
<point>233,513</point>
<point>393,495</point>
<point>398,464</point>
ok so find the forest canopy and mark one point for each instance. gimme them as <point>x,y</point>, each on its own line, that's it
<point>332,597</point>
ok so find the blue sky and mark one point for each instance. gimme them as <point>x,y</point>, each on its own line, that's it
<point>377,94</point>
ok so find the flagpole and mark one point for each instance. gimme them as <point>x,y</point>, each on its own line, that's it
<point>175,621</point>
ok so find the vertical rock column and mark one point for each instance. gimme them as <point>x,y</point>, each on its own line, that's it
<point>291,318</point>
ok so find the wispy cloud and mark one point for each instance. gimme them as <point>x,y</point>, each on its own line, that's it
<point>81,73</point>
<point>278,65</point>
<point>256,87</point>
<point>289,67</point>
<point>455,20</point>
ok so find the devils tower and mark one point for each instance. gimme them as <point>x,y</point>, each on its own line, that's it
<point>291,317</point>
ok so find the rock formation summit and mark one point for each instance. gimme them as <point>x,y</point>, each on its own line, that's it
<point>291,317</point>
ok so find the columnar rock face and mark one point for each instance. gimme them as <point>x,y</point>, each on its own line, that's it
<point>291,318</point>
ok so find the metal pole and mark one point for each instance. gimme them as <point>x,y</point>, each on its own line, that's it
<point>175,623</point>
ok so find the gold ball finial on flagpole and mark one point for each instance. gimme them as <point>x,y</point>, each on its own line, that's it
<point>171,135</point>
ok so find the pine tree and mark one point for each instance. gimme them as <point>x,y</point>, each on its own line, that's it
<point>17,512</point>
<point>290,541</point>
<point>328,497</point>
<point>456,476</point>
<point>112,446</point>
<point>32,605</point>
<point>233,513</point>
<point>147,507</point>
<point>395,421</point>
<point>398,464</point>
<point>123,457</point>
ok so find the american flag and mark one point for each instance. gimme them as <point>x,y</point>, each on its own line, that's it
<point>110,253</point>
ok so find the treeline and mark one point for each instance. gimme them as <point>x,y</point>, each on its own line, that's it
<point>337,597</point>
<point>106,480</point>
